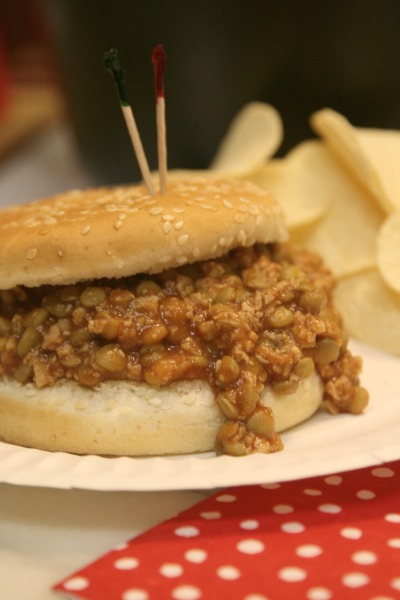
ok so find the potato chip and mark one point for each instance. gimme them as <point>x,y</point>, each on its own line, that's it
<point>372,155</point>
<point>298,183</point>
<point>388,255</point>
<point>370,309</point>
<point>326,211</point>
<point>253,137</point>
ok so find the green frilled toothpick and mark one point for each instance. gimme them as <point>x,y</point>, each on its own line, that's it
<point>112,64</point>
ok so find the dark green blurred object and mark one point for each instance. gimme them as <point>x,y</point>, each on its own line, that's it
<point>298,55</point>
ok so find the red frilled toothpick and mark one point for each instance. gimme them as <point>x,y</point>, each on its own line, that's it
<point>158,59</point>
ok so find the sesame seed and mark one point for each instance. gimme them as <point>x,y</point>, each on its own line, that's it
<point>122,216</point>
<point>182,239</point>
<point>31,223</point>
<point>167,227</point>
<point>156,210</point>
<point>227,203</point>
<point>49,221</point>
<point>31,253</point>
<point>244,200</point>
<point>178,225</point>
<point>222,241</point>
<point>181,260</point>
<point>178,210</point>
<point>239,218</point>
<point>60,253</point>
<point>206,206</point>
<point>242,236</point>
<point>196,251</point>
<point>86,230</point>
<point>155,402</point>
<point>118,224</point>
<point>168,217</point>
<point>30,392</point>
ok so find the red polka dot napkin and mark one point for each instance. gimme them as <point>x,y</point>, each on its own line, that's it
<point>334,537</point>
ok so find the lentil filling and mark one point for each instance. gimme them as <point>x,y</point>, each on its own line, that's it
<point>257,316</point>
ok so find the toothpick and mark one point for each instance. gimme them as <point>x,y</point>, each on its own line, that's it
<point>159,59</point>
<point>112,64</point>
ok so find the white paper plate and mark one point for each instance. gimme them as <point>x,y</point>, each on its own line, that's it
<point>325,444</point>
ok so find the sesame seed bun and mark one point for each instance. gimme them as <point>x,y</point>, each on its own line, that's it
<point>121,231</point>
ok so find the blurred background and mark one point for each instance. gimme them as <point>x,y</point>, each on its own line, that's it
<point>297,55</point>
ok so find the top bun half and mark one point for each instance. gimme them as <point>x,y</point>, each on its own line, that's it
<point>122,231</point>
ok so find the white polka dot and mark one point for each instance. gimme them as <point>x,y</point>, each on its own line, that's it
<point>308,550</point>
<point>250,546</point>
<point>392,517</point>
<point>365,494</point>
<point>311,492</point>
<point>364,557</point>
<point>395,583</point>
<point>121,547</point>
<point>135,594</point>
<point>382,472</point>
<point>333,480</point>
<point>355,580</point>
<point>228,572</point>
<point>226,498</point>
<point>332,509</point>
<point>351,533</point>
<point>75,584</point>
<point>210,516</point>
<point>250,524</point>
<point>255,597</point>
<point>126,563</point>
<point>270,486</point>
<point>171,570</point>
<point>292,574</point>
<point>187,531</point>
<point>318,593</point>
<point>292,527</point>
<point>186,592</point>
<point>283,509</point>
<point>394,543</point>
<point>196,555</point>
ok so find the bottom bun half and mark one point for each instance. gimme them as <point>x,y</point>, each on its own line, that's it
<point>132,419</point>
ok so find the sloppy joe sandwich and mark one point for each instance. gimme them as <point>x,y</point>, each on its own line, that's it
<point>184,322</point>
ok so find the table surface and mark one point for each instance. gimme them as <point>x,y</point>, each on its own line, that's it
<point>45,533</point>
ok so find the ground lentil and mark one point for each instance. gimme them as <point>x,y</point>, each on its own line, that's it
<point>259,315</point>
